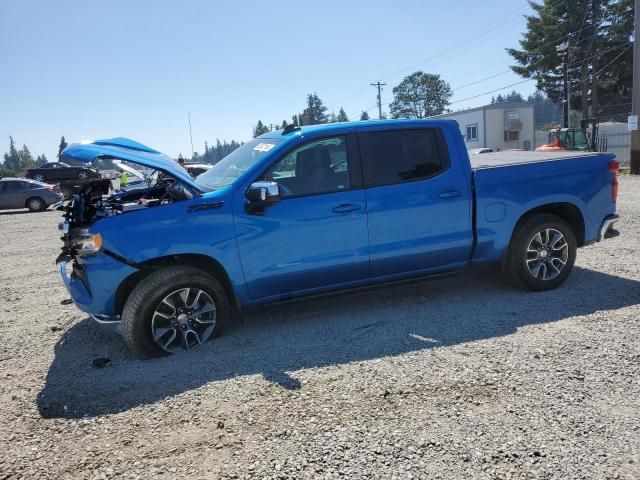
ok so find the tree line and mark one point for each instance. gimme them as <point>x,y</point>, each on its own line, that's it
<point>16,161</point>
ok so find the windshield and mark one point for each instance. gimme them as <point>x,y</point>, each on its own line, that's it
<point>581,141</point>
<point>231,167</point>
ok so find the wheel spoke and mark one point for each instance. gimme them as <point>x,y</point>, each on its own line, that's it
<point>552,265</point>
<point>536,269</point>
<point>206,308</point>
<point>167,302</point>
<point>166,344</point>
<point>184,296</point>
<point>537,238</point>
<point>543,268</point>
<point>194,304</point>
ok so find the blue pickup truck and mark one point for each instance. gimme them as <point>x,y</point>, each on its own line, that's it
<point>317,209</point>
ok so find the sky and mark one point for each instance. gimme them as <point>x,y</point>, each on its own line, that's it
<point>89,70</point>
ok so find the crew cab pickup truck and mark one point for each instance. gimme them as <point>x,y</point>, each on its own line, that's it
<point>316,209</point>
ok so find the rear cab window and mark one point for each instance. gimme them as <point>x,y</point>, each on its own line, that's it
<point>396,156</point>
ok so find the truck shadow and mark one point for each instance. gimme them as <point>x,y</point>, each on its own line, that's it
<point>278,341</point>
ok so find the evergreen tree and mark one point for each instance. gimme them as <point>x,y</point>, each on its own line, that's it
<point>420,95</point>
<point>26,159</point>
<point>547,114</point>
<point>364,116</point>
<point>315,113</point>
<point>331,118</point>
<point>11,165</point>
<point>62,146</point>
<point>284,124</point>
<point>596,34</point>
<point>41,160</point>
<point>514,97</point>
<point>259,129</point>
<point>342,116</point>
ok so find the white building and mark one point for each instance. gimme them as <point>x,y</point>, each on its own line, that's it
<point>500,126</point>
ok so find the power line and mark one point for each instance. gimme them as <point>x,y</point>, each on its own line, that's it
<point>481,80</point>
<point>493,91</point>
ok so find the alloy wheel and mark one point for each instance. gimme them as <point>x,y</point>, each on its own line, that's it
<point>183,319</point>
<point>547,254</point>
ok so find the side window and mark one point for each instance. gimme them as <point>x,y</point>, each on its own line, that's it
<point>395,156</point>
<point>316,167</point>
<point>12,186</point>
<point>472,132</point>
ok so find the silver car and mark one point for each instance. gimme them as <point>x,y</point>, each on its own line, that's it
<point>25,193</point>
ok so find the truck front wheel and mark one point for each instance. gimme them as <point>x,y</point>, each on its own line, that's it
<point>541,253</point>
<point>173,309</point>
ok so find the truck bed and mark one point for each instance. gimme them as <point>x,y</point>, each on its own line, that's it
<point>508,184</point>
<point>507,158</point>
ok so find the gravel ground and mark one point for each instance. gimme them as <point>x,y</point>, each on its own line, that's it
<point>462,377</point>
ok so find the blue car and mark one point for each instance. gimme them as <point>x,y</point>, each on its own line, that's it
<point>317,209</point>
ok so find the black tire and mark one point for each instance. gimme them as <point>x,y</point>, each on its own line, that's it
<point>517,264</point>
<point>82,175</point>
<point>39,177</point>
<point>150,292</point>
<point>35,204</point>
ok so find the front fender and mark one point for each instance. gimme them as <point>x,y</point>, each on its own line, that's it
<point>179,228</point>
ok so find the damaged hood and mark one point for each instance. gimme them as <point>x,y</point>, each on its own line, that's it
<point>131,151</point>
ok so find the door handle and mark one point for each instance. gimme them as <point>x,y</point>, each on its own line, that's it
<point>345,208</point>
<point>450,194</point>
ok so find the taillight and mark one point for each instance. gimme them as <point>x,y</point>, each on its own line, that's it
<point>614,166</point>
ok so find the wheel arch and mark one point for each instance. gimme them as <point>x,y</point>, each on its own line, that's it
<point>202,262</point>
<point>569,212</point>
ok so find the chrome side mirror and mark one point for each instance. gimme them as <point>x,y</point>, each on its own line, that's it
<point>260,195</point>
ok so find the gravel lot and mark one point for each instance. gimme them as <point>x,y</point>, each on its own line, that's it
<point>462,377</point>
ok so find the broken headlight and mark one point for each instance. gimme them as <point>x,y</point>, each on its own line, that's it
<point>85,243</point>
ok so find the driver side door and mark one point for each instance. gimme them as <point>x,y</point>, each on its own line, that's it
<point>316,236</point>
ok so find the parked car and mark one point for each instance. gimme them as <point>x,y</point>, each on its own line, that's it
<point>475,151</point>
<point>196,169</point>
<point>318,209</point>
<point>24,193</point>
<point>54,172</point>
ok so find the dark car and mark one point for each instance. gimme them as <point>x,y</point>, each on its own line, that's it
<point>58,171</point>
<point>24,193</point>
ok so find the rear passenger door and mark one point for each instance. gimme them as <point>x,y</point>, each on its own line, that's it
<point>418,201</point>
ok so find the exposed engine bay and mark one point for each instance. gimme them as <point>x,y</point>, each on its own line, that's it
<point>94,201</point>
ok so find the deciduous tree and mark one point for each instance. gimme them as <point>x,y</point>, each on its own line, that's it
<point>420,95</point>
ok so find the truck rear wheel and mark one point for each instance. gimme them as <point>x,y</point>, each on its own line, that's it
<point>541,253</point>
<point>172,310</point>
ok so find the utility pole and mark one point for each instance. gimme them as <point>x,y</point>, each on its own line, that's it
<point>563,49</point>
<point>635,102</point>
<point>190,134</point>
<point>379,85</point>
